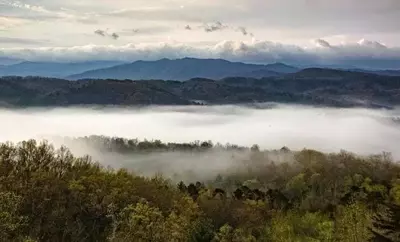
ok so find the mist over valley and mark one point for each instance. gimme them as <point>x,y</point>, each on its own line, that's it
<point>270,126</point>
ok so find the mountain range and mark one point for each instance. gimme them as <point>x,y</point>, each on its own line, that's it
<point>184,69</point>
<point>53,69</point>
<point>313,86</point>
<point>164,69</point>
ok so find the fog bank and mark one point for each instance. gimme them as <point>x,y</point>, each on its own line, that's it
<point>327,129</point>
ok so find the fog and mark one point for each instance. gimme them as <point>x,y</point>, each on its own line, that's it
<point>363,131</point>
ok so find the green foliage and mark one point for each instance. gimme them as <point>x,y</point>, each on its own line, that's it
<point>227,234</point>
<point>10,220</point>
<point>395,192</point>
<point>353,223</point>
<point>141,222</point>
<point>295,227</point>
<point>281,195</point>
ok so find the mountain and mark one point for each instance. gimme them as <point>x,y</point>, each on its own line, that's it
<point>184,69</point>
<point>326,74</point>
<point>281,68</point>
<point>52,69</point>
<point>379,72</point>
<point>312,86</point>
<point>9,61</point>
<point>388,72</point>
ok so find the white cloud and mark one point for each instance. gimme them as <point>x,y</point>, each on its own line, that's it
<point>284,22</point>
<point>33,12</point>
<point>10,22</point>
<point>367,54</point>
<point>5,40</point>
<point>19,4</point>
<point>68,23</point>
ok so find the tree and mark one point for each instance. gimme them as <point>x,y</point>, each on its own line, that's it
<point>293,226</point>
<point>227,234</point>
<point>297,187</point>
<point>353,223</point>
<point>10,220</point>
<point>141,223</point>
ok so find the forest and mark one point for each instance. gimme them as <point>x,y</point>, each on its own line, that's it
<point>49,194</point>
<point>317,87</point>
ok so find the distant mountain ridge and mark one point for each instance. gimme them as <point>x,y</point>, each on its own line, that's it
<point>163,69</point>
<point>9,61</point>
<point>53,69</point>
<point>184,69</point>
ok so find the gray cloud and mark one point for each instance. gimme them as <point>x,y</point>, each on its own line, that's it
<point>323,43</point>
<point>145,30</point>
<point>364,54</point>
<point>11,40</point>
<point>341,16</point>
<point>32,11</point>
<point>100,32</point>
<point>114,36</point>
<point>244,31</point>
<point>163,14</point>
<point>217,26</point>
<point>104,33</point>
<point>357,17</point>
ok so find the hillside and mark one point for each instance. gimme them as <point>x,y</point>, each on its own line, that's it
<point>310,86</point>
<point>185,69</point>
<point>52,195</point>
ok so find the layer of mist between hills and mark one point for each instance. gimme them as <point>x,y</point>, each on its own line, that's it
<point>362,131</point>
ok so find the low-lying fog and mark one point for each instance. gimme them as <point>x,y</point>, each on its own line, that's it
<point>327,129</point>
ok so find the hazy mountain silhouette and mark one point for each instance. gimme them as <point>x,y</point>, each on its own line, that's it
<point>9,61</point>
<point>184,69</point>
<point>53,69</point>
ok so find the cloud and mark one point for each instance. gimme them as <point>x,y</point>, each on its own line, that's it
<point>156,14</point>
<point>217,26</point>
<point>114,36</point>
<point>24,10</point>
<point>322,43</point>
<point>10,22</point>
<point>18,4</point>
<point>364,54</point>
<point>244,31</point>
<point>104,33</point>
<point>373,44</point>
<point>145,30</point>
<point>100,32</point>
<point>375,19</point>
<point>10,40</point>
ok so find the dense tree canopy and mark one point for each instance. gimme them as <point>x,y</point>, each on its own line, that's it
<point>323,87</point>
<point>51,195</point>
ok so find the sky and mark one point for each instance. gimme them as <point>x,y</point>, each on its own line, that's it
<point>351,32</point>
